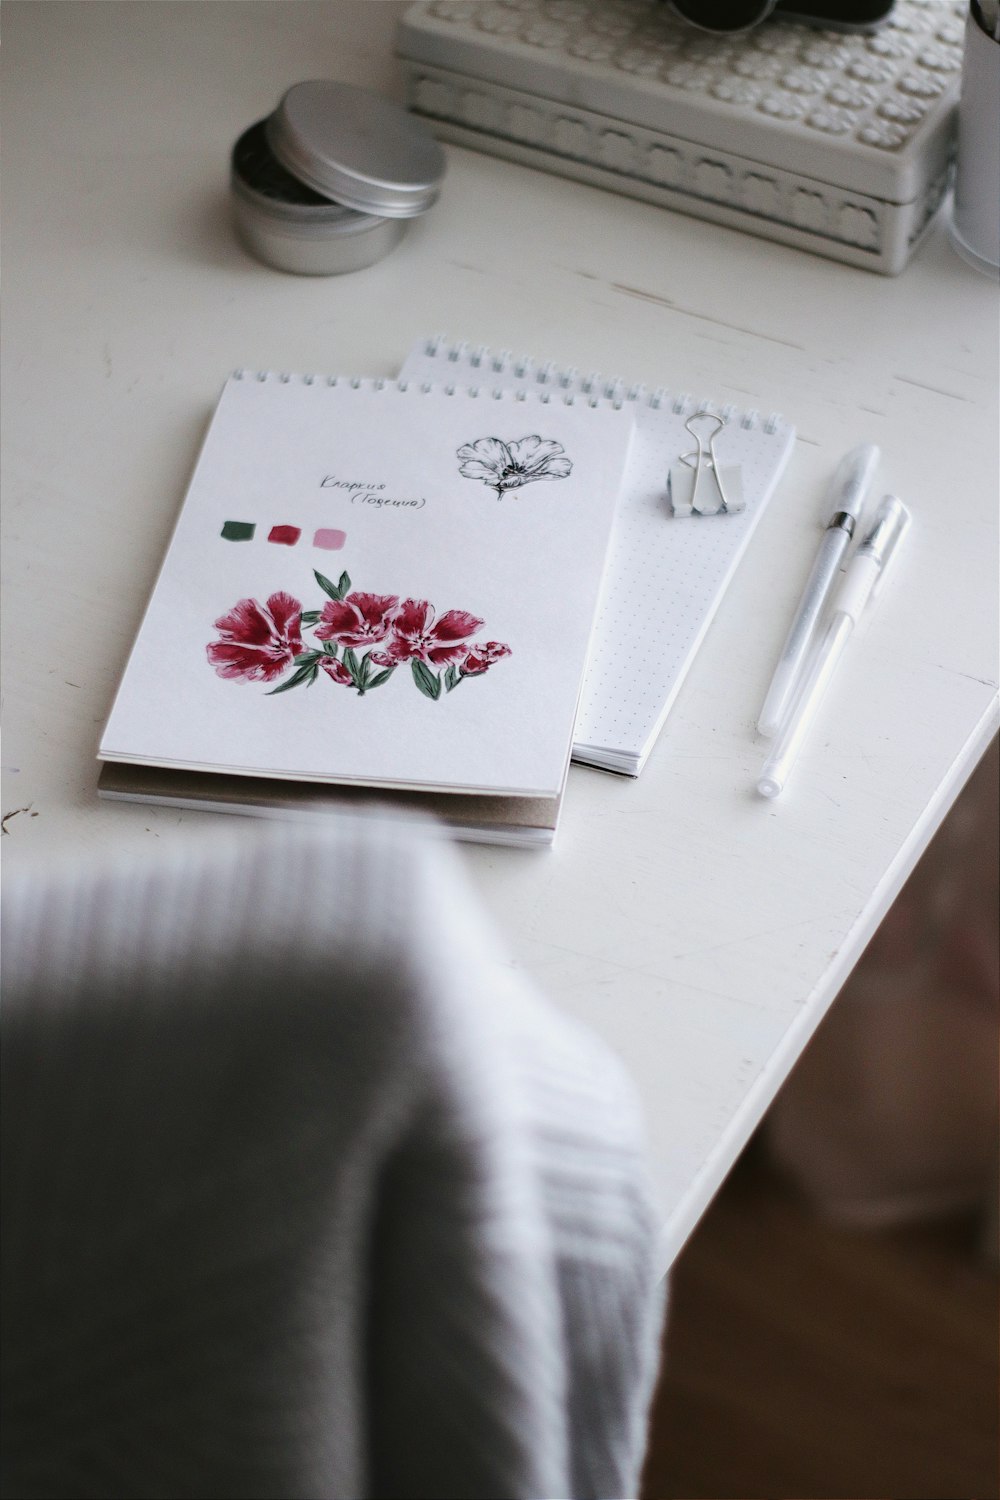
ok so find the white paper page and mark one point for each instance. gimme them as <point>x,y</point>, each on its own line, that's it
<point>670,573</point>
<point>411,496</point>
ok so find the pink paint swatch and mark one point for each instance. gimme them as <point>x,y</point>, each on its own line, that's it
<point>330,538</point>
<point>286,535</point>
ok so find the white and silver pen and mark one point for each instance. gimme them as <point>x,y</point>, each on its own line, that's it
<point>861,582</point>
<point>847,493</point>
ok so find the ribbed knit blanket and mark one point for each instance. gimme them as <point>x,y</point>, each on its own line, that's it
<point>306,1194</point>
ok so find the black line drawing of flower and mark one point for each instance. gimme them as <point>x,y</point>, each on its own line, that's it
<point>508,466</point>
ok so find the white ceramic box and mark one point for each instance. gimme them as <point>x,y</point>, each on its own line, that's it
<point>834,142</point>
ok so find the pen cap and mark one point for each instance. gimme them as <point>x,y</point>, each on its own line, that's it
<point>867,567</point>
<point>851,479</point>
<point>892,520</point>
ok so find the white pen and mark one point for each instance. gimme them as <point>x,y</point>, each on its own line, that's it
<point>847,493</point>
<point>861,582</point>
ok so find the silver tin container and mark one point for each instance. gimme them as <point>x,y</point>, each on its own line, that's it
<point>327,183</point>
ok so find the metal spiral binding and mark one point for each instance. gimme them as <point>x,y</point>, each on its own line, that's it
<point>547,375</point>
<point>612,394</point>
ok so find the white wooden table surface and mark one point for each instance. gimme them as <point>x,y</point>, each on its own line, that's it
<point>701,930</point>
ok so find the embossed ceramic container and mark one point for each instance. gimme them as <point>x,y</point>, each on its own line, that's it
<point>328,182</point>
<point>832,142</point>
<point>975,223</point>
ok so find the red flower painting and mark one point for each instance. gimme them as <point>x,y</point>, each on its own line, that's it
<point>482,656</point>
<point>336,671</point>
<point>258,642</point>
<point>357,621</point>
<point>416,635</point>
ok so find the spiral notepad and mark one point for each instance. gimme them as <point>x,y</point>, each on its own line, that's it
<point>666,574</point>
<point>359,596</point>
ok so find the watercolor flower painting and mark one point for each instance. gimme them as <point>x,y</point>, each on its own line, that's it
<point>357,621</point>
<point>508,466</point>
<point>363,638</point>
<point>482,656</point>
<point>258,641</point>
<point>417,636</point>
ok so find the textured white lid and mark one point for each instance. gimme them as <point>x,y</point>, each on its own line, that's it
<point>358,148</point>
<point>868,113</point>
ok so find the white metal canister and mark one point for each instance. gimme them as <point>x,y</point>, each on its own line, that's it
<point>327,183</point>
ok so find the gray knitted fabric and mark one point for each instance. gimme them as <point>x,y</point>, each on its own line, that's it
<point>305,1194</point>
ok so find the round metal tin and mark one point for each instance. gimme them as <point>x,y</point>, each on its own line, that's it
<point>286,224</point>
<point>357,148</point>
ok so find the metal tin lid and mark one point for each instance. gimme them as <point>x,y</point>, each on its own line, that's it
<point>258,177</point>
<point>357,148</point>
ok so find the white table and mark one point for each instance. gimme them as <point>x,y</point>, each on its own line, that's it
<point>701,930</point>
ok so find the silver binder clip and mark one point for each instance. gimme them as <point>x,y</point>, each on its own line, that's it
<point>698,485</point>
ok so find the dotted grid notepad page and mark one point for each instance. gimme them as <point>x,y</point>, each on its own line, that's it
<point>665,576</point>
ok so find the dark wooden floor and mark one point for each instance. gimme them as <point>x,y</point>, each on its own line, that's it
<point>818,1362</point>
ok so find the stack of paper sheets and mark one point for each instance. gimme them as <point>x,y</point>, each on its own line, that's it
<point>428,593</point>
<point>376,593</point>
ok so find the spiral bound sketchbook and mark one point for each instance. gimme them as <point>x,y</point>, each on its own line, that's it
<point>666,576</point>
<point>358,601</point>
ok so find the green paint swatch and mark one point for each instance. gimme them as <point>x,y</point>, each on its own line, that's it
<point>238,531</point>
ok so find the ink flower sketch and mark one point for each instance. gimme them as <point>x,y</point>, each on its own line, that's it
<point>508,466</point>
<point>262,642</point>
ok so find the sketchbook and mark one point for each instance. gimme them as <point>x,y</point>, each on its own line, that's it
<point>358,602</point>
<point>666,576</point>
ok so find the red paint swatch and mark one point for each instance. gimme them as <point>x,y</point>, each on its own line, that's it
<point>287,536</point>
